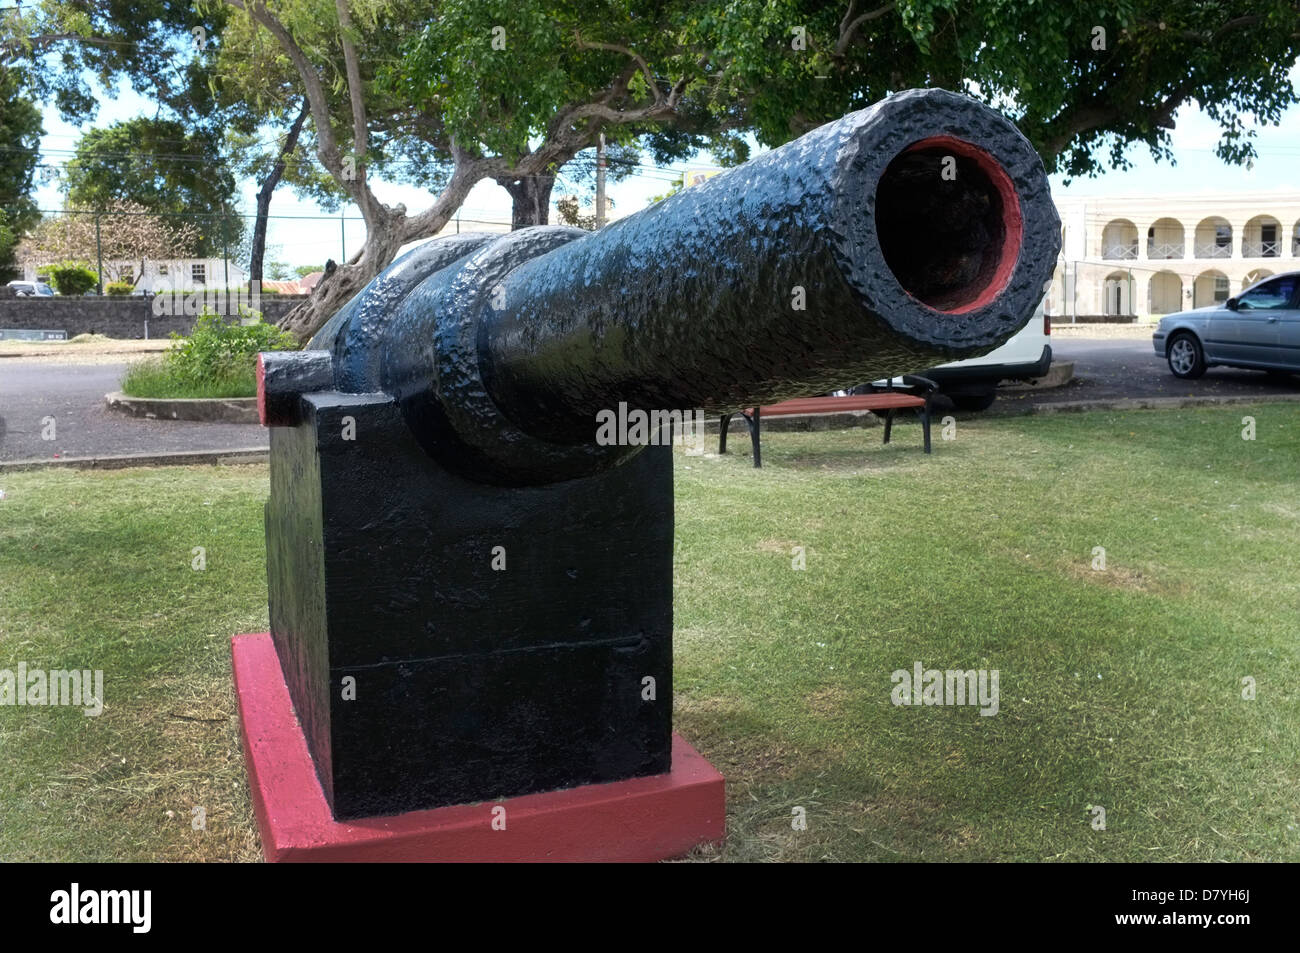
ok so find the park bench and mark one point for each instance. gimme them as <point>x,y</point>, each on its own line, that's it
<point>886,399</point>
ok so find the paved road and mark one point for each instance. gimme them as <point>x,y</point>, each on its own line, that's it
<point>73,394</point>
<point>1105,369</point>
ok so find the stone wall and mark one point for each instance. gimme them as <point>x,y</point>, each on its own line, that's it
<point>123,317</point>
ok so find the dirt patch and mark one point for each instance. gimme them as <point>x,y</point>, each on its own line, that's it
<point>778,546</point>
<point>1124,577</point>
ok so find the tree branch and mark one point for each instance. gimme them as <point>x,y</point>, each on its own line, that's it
<point>355,90</point>
<point>849,27</point>
<point>327,147</point>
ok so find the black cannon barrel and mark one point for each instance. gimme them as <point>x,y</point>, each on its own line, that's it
<point>914,232</point>
<point>917,231</point>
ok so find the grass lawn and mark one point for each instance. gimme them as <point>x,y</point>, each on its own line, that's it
<point>1120,688</point>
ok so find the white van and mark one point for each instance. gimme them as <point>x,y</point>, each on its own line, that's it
<point>972,384</point>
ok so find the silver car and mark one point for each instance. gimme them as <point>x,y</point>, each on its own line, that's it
<point>1259,329</point>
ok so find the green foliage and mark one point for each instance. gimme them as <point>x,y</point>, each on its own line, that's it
<point>499,72</point>
<point>67,45</point>
<point>72,278</point>
<point>163,167</point>
<point>119,288</point>
<point>218,359</point>
<point>20,134</point>
<point>216,347</point>
<point>155,377</point>
<point>1083,80</point>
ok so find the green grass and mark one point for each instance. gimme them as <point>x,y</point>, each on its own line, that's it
<point>156,378</point>
<point>1119,688</point>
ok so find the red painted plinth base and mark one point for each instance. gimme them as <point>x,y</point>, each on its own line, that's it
<point>642,819</point>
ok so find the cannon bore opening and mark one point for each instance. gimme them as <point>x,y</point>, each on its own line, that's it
<point>949,224</point>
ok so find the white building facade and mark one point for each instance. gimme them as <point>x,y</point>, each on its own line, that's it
<point>1148,255</point>
<point>180,274</point>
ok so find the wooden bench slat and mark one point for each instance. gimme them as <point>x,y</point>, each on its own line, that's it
<point>825,405</point>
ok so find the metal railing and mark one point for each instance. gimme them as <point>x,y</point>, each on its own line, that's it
<point>1213,250</point>
<point>1165,250</point>
<point>1260,249</point>
<point>1128,251</point>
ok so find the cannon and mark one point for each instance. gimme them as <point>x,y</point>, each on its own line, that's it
<point>470,595</point>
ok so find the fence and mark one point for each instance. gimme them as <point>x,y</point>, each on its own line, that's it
<point>157,252</point>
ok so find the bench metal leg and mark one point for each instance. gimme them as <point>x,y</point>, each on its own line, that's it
<point>723,426</point>
<point>924,414</point>
<point>754,422</point>
<point>889,424</point>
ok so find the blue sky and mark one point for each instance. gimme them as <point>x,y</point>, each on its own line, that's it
<point>307,241</point>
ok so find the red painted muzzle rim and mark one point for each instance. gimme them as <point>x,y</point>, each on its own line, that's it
<point>1013,223</point>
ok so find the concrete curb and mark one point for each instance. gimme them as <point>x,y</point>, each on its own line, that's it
<point>1157,403</point>
<point>79,351</point>
<point>223,410</point>
<point>1058,375</point>
<point>174,458</point>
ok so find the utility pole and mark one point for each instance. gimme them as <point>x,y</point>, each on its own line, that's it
<point>600,182</point>
<point>99,256</point>
<point>225,249</point>
<point>343,237</point>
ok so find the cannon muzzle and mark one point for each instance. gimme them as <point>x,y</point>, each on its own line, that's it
<point>914,232</point>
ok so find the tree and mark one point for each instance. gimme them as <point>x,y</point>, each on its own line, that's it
<point>20,133</point>
<point>630,67</point>
<point>166,50</point>
<point>160,46</point>
<point>273,169</point>
<point>533,83</point>
<point>121,233</point>
<point>1082,80</point>
<point>162,167</point>
<point>384,107</point>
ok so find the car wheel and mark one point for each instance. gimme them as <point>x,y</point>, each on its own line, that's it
<point>1186,360</point>
<point>981,400</point>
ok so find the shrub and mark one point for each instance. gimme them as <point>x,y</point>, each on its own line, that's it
<point>72,278</point>
<point>119,288</point>
<point>218,359</point>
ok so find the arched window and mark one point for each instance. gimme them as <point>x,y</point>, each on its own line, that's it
<point>1165,239</point>
<point>1214,238</point>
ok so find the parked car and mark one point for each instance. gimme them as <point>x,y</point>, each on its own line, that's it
<point>972,384</point>
<point>1259,329</point>
<point>31,289</point>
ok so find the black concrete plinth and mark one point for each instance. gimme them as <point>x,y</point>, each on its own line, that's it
<point>471,683</point>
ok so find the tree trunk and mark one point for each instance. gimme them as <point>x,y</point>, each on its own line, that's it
<point>338,287</point>
<point>531,196</point>
<point>268,188</point>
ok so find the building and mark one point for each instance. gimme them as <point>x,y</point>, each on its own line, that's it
<point>1145,255</point>
<point>180,274</point>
